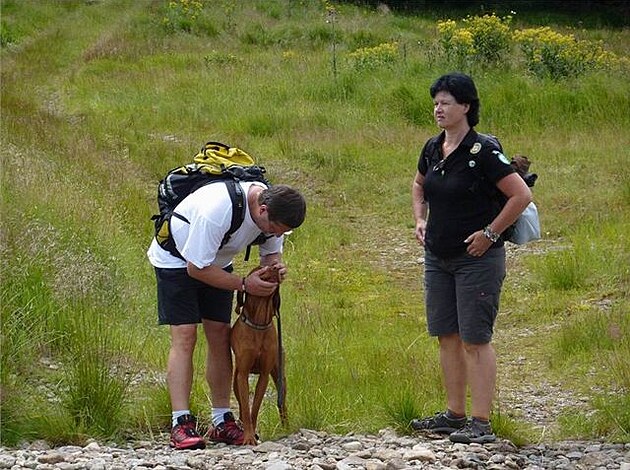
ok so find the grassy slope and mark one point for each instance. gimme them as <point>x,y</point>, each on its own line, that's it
<point>92,116</point>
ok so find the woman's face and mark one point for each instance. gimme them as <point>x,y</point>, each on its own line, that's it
<point>448,113</point>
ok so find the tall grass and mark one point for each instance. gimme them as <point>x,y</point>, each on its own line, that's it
<point>92,117</point>
<point>596,343</point>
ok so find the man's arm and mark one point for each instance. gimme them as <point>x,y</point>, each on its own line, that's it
<point>216,277</point>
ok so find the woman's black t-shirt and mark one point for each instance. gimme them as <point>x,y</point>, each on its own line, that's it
<point>461,190</point>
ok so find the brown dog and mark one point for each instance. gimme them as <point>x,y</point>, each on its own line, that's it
<point>254,340</point>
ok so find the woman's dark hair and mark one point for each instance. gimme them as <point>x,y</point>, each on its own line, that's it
<point>285,205</point>
<point>463,89</point>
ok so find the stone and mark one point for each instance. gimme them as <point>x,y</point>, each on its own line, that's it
<point>310,450</point>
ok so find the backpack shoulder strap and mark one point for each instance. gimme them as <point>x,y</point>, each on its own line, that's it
<point>490,139</point>
<point>485,140</point>
<point>238,208</point>
<point>482,184</point>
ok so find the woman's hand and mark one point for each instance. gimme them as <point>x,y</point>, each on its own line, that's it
<point>478,244</point>
<point>421,226</point>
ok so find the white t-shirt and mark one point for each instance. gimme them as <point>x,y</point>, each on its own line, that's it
<point>209,211</point>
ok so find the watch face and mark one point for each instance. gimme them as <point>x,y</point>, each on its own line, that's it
<point>490,235</point>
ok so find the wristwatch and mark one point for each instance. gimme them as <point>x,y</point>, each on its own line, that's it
<point>490,234</point>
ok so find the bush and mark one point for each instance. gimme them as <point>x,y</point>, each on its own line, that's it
<point>484,38</point>
<point>373,57</point>
<point>181,15</point>
<point>554,55</point>
<point>490,36</point>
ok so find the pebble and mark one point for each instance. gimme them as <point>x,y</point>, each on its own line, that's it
<point>315,450</point>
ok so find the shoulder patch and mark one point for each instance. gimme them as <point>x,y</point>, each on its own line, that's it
<point>501,157</point>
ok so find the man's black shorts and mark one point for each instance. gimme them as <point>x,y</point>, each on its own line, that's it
<point>183,300</point>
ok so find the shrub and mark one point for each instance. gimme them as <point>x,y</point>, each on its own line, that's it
<point>181,15</point>
<point>373,57</point>
<point>555,55</point>
<point>456,43</point>
<point>490,35</point>
<point>484,38</point>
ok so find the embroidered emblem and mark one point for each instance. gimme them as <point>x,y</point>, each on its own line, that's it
<point>501,157</point>
<point>472,163</point>
<point>475,148</point>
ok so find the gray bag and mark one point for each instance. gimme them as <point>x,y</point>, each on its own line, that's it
<point>527,226</point>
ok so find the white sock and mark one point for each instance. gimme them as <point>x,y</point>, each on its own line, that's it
<point>177,414</point>
<point>217,415</point>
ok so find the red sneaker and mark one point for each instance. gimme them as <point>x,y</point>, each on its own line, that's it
<point>228,432</point>
<point>184,434</point>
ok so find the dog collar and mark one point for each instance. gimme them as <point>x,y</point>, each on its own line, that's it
<point>253,325</point>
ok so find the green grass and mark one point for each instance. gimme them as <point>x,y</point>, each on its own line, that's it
<point>93,116</point>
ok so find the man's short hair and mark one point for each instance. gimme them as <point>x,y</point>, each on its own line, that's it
<point>285,205</point>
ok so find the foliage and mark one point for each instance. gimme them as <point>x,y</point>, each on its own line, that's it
<point>7,36</point>
<point>367,58</point>
<point>490,36</point>
<point>456,42</point>
<point>181,15</point>
<point>482,38</point>
<point>555,55</point>
<point>221,59</point>
<point>546,53</point>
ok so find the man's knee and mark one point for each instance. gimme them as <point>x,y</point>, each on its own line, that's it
<point>217,333</point>
<point>450,341</point>
<point>184,337</point>
<point>475,348</point>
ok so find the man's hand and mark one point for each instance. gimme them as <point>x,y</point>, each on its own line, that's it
<point>256,285</point>
<point>282,270</point>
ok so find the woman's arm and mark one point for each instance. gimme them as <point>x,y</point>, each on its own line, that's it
<point>518,197</point>
<point>419,206</point>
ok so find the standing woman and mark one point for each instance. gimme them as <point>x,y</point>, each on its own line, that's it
<point>460,228</point>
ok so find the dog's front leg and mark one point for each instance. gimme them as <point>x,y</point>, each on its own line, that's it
<point>241,391</point>
<point>259,394</point>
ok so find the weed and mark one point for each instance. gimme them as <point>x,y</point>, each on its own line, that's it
<point>181,15</point>
<point>369,58</point>
<point>482,38</point>
<point>221,59</point>
<point>558,56</point>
